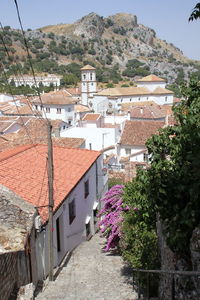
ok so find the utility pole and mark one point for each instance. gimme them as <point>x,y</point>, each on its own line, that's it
<point>51,201</point>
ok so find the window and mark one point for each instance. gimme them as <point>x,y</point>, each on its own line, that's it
<point>84,76</point>
<point>41,107</point>
<point>165,99</point>
<point>86,186</point>
<point>90,76</point>
<point>47,109</point>
<point>128,151</point>
<point>58,234</point>
<point>91,83</point>
<point>69,109</point>
<point>58,111</point>
<point>139,99</point>
<point>64,127</point>
<point>130,99</point>
<point>36,107</point>
<point>69,122</point>
<point>72,211</point>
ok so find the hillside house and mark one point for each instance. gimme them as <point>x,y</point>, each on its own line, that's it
<point>49,80</point>
<point>56,105</point>
<point>79,182</point>
<point>134,136</point>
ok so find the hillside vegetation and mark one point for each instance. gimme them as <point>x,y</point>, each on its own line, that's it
<point>117,46</point>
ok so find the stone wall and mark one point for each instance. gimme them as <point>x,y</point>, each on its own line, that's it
<point>14,272</point>
<point>184,287</point>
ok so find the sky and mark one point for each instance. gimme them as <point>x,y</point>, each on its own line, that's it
<point>168,18</point>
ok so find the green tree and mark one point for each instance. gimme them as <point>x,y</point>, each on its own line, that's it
<point>195,13</point>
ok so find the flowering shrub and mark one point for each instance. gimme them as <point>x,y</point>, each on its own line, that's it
<point>111,217</point>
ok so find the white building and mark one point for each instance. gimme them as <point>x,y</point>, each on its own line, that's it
<point>134,137</point>
<point>150,88</point>
<point>95,138</point>
<point>56,105</point>
<point>88,83</point>
<point>49,80</point>
<point>80,181</point>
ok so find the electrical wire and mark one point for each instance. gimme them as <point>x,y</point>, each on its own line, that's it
<point>29,56</point>
<point>35,113</point>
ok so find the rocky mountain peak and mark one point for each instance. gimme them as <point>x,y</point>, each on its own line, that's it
<point>124,19</point>
<point>90,26</point>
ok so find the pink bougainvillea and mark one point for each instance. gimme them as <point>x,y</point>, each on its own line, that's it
<point>111,216</point>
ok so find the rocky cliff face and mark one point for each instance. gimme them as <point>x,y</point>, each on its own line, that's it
<point>90,26</point>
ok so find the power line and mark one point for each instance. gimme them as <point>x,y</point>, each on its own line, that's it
<point>14,100</point>
<point>29,56</point>
<point>35,113</point>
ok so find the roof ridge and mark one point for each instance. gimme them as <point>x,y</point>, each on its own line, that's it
<point>14,151</point>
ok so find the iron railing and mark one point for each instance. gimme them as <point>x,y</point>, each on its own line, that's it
<point>144,282</point>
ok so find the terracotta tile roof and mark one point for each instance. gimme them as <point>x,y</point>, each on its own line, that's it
<point>36,132</point>
<point>61,97</point>
<point>88,67</point>
<point>91,117</point>
<point>147,112</point>
<point>126,91</point>
<point>151,78</point>
<point>23,170</point>
<point>138,132</point>
<point>161,91</point>
<point>6,122</point>
<point>82,108</point>
<point>74,91</point>
<point>128,106</point>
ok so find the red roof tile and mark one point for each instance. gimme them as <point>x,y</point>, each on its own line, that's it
<point>91,117</point>
<point>138,132</point>
<point>23,170</point>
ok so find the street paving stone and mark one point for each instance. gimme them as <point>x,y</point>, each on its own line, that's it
<point>91,274</point>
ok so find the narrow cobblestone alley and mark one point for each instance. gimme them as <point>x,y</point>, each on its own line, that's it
<point>91,274</point>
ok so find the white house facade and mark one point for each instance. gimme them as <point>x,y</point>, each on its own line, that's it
<point>56,105</point>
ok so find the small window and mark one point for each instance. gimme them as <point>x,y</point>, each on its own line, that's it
<point>64,127</point>
<point>165,99</point>
<point>58,110</point>
<point>84,83</point>
<point>47,109</point>
<point>91,83</point>
<point>90,76</point>
<point>84,76</point>
<point>147,98</point>
<point>36,107</point>
<point>72,211</point>
<point>121,100</point>
<point>128,151</point>
<point>86,188</point>
<point>41,107</point>
<point>130,99</point>
<point>70,122</point>
<point>139,99</point>
<point>69,109</point>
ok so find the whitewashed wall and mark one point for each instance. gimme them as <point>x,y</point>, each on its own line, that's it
<point>73,234</point>
<point>151,85</point>
<point>98,137</point>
